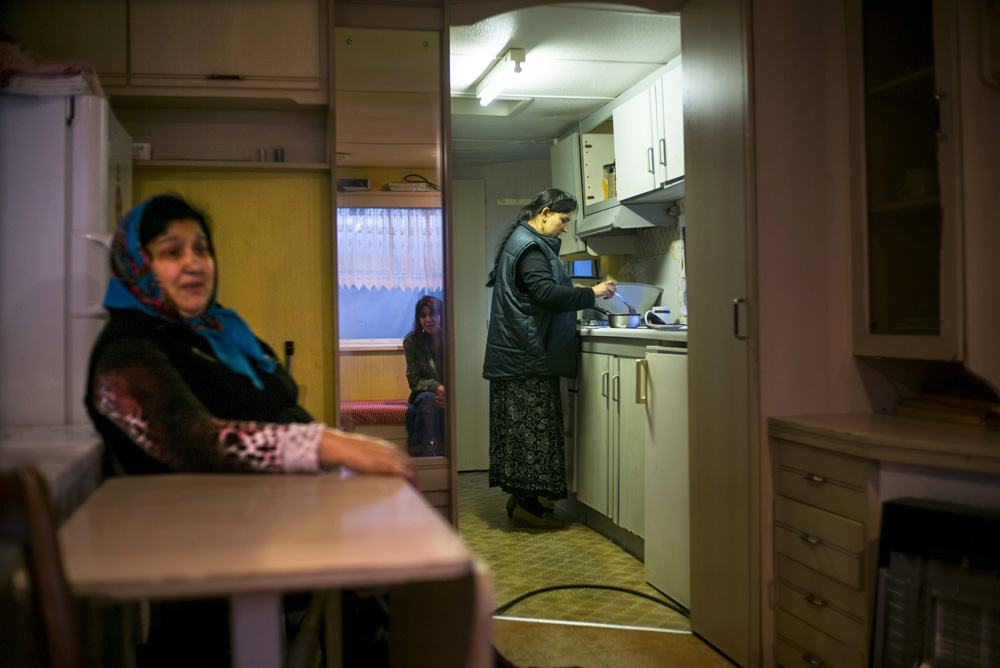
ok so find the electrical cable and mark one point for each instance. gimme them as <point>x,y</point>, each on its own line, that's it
<point>417,178</point>
<point>506,606</point>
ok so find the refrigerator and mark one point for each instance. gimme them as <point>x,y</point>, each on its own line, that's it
<point>65,180</point>
<point>667,528</point>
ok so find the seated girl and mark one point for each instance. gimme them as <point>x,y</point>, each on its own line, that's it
<point>424,372</point>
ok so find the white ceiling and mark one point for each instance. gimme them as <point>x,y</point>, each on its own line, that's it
<point>578,58</point>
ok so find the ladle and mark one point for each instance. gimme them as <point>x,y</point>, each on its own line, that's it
<point>630,309</point>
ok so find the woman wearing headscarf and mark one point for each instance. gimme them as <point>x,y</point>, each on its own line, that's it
<point>530,343</point>
<point>424,350</point>
<point>178,383</point>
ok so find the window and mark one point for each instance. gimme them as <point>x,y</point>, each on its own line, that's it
<point>387,259</point>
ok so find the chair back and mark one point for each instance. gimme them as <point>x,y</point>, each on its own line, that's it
<point>26,519</point>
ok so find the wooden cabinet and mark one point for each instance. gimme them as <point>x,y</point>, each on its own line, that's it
<point>610,439</point>
<point>565,162</point>
<point>93,32</point>
<point>825,536</point>
<point>634,150</point>
<point>226,45</point>
<point>668,124</point>
<point>908,294</point>
<point>649,135</point>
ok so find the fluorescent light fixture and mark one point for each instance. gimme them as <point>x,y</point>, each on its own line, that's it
<point>499,76</point>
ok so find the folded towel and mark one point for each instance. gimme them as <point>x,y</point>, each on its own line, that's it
<point>26,74</point>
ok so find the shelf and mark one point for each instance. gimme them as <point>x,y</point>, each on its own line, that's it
<point>903,82</point>
<point>386,199</point>
<point>230,165</point>
<point>895,207</point>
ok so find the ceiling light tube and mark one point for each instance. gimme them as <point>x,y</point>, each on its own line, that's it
<point>499,76</point>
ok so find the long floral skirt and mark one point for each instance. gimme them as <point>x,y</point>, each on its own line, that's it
<point>527,451</point>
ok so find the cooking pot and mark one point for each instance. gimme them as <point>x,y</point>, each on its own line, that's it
<point>624,320</point>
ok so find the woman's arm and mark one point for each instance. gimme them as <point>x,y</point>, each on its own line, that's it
<point>138,389</point>
<point>534,276</point>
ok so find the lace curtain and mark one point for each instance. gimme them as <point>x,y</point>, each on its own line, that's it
<point>389,248</point>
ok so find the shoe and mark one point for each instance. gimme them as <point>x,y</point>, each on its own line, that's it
<point>511,504</point>
<point>523,517</point>
<point>546,502</point>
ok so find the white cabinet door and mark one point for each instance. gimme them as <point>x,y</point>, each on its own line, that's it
<point>634,155</point>
<point>628,427</point>
<point>669,126</point>
<point>224,44</point>
<point>668,505</point>
<point>592,451</point>
<point>565,162</point>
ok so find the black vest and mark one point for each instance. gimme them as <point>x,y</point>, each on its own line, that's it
<point>525,339</point>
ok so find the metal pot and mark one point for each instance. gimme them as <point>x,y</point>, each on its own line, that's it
<point>624,320</point>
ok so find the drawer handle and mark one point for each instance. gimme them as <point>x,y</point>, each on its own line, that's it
<point>812,540</point>
<point>812,477</point>
<point>813,660</point>
<point>815,600</point>
<point>225,77</point>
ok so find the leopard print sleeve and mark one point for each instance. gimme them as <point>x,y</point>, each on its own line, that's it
<point>137,388</point>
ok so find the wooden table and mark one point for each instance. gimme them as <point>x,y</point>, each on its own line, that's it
<point>252,538</point>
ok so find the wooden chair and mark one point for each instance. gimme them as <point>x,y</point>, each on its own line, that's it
<point>26,519</point>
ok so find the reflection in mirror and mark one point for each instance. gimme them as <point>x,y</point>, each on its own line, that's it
<point>389,237</point>
<point>578,60</point>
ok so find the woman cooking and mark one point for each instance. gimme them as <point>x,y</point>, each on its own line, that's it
<point>531,342</point>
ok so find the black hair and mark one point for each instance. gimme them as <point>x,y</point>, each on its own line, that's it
<point>162,210</point>
<point>553,199</point>
<point>429,301</point>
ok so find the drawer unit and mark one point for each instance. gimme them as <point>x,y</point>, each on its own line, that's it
<point>824,479</point>
<point>825,525</point>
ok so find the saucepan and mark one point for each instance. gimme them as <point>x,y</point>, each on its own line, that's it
<point>621,320</point>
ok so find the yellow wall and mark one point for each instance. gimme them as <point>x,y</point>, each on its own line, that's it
<point>272,238</point>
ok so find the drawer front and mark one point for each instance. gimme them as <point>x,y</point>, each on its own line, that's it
<point>817,612</point>
<point>833,466</point>
<point>853,602</point>
<point>817,490</point>
<point>433,479</point>
<point>828,528</point>
<point>437,499</point>
<point>838,564</point>
<point>799,645</point>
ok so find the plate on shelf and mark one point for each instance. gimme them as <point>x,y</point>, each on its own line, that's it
<point>675,327</point>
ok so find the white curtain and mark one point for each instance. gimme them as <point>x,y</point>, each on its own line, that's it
<point>389,248</point>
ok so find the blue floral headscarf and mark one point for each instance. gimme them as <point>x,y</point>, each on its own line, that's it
<point>134,286</point>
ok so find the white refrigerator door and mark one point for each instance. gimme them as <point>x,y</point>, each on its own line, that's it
<point>53,181</point>
<point>667,512</point>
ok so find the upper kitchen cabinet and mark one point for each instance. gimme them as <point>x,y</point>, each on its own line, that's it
<point>564,160</point>
<point>227,48</point>
<point>92,32</point>
<point>649,139</point>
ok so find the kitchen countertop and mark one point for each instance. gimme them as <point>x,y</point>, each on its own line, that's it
<point>636,333</point>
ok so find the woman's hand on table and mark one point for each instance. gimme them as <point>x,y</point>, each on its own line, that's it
<point>605,290</point>
<point>364,454</point>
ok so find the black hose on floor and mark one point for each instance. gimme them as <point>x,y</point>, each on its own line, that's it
<point>676,608</point>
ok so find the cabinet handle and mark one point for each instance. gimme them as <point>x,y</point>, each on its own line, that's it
<point>813,477</point>
<point>649,154</point>
<point>616,384</point>
<point>813,660</point>
<point>815,600</point>
<point>812,540</point>
<point>641,371</point>
<point>663,152</point>
<point>736,318</point>
<point>225,77</point>
<point>604,384</point>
